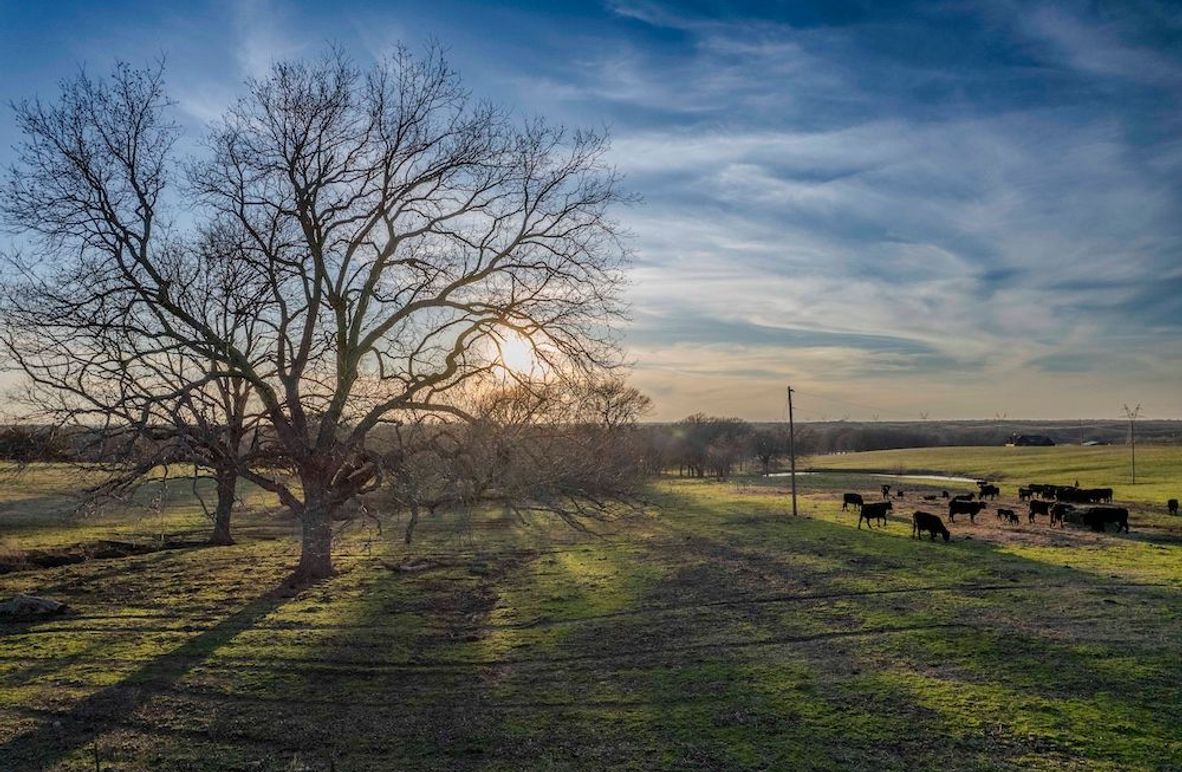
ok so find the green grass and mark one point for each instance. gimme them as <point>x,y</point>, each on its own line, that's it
<point>39,509</point>
<point>1159,467</point>
<point>714,631</point>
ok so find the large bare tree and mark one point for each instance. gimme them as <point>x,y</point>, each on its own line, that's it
<point>394,227</point>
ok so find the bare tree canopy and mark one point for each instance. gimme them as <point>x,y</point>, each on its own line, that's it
<point>387,231</point>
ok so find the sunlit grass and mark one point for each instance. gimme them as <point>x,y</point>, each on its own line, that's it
<point>1159,467</point>
<point>716,631</point>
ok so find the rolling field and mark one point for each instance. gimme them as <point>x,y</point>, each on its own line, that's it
<point>1159,467</point>
<point>715,631</point>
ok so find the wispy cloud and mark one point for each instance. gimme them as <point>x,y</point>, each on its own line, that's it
<point>262,37</point>
<point>1022,243</point>
<point>955,208</point>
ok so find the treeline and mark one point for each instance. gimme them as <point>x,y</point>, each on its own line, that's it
<point>711,446</point>
<point>26,444</point>
<point>854,436</point>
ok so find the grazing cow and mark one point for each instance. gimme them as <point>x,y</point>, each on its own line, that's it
<point>877,510</point>
<point>930,497</point>
<point>886,491</point>
<point>943,494</point>
<point>1008,515</point>
<point>1172,506</point>
<point>922,521</point>
<point>1058,513</point>
<point>963,497</point>
<point>991,491</point>
<point>1039,507</point>
<point>1025,494</point>
<point>1086,495</point>
<point>1083,495</point>
<point>1097,518</point>
<point>1041,489</point>
<point>970,508</point>
<point>899,493</point>
<point>851,498</point>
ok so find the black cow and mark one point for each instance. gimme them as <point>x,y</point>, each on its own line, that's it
<point>1024,494</point>
<point>1097,518</point>
<point>991,491</point>
<point>963,497</point>
<point>1058,513</point>
<point>970,508</point>
<point>886,491</point>
<point>1039,507</point>
<point>851,498</point>
<point>1172,506</point>
<point>943,494</point>
<point>1086,495</point>
<point>1074,495</point>
<point>900,493</point>
<point>930,497</point>
<point>1008,515</point>
<point>922,521</point>
<point>877,510</point>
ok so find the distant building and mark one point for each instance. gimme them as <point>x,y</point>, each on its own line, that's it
<point>1026,440</point>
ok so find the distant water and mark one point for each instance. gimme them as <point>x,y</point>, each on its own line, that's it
<point>938,477</point>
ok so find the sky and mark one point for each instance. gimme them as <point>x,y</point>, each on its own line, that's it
<point>948,209</point>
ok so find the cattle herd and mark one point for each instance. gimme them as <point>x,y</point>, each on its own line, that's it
<point>1059,503</point>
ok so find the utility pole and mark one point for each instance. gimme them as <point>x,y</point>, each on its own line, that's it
<point>1133,414</point>
<point>792,449</point>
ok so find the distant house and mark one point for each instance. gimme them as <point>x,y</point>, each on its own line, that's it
<point>1027,440</point>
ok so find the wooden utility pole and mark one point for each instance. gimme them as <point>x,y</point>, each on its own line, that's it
<point>792,449</point>
<point>1132,414</point>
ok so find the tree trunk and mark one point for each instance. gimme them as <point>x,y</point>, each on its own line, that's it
<point>227,484</point>
<point>316,543</point>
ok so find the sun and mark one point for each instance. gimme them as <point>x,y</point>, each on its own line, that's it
<point>517,354</point>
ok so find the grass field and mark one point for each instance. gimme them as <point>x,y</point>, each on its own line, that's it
<point>713,632</point>
<point>1159,467</point>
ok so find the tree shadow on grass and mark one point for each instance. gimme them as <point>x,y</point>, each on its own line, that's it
<point>780,649</point>
<point>59,736</point>
<point>1002,635</point>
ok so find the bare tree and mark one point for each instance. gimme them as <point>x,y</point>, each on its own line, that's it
<point>711,445</point>
<point>395,226</point>
<point>767,445</point>
<point>530,449</point>
<point>103,372</point>
<point>611,403</point>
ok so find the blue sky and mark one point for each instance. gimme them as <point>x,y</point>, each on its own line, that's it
<point>955,208</point>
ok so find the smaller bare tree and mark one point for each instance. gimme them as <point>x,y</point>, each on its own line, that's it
<point>101,371</point>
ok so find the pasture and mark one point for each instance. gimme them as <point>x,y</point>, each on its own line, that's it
<point>713,631</point>
<point>1159,467</point>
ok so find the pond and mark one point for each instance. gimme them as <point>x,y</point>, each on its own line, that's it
<point>932,477</point>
